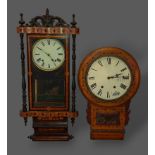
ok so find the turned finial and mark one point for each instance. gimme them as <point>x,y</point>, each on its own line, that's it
<point>21,22</point>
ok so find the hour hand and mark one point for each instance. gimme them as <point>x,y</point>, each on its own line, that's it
<point>47,54</point>
<point>118,74</point>
<point>111,77</point>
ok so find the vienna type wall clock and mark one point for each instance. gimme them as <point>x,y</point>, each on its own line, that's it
<point>48,70</point>
<point>108,78</point>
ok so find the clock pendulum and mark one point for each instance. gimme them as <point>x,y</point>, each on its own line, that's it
<point>48,70</point>
<point>108,78</point>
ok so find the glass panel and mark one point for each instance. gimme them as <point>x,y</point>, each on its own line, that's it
<point>108,118</point>
<point>49,92</point>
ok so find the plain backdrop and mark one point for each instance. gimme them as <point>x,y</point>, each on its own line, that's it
<point>103,23</point>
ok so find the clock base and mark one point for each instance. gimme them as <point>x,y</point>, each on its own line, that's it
<point>106,136</point>
<point>47,130</point>
<point>107,122</point>
<point>66,137</point>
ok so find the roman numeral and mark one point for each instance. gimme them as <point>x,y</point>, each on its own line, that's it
<point>58,48</point>
<point>60,53</point>
<point>93,69</point>
<point>117,63</point>
<point>43,43</point>
<point>91,78</point>
<point>39,48</point>
<point>37,54</point>
<point>48,41</point>
<point>59,60</point>
<point>99,92</point>
<point>109,60</point>
<point>39,59</point>
<point>54,43</point>
<point>100,63</point>
<point>123,86</point>
<point>126,77</point>
<point>49,66</point>
<point>116,93</point>
<point>108,95</point>
<point>42,63</point>
<point>93,86</point>
<point>123,69</point>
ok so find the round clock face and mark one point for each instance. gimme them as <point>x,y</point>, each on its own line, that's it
<point>108,77</point>
<point>48,54</point>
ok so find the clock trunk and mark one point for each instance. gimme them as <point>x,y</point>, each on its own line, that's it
<point>48,89</point>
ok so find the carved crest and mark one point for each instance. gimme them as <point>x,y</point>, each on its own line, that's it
<point>47,20</point>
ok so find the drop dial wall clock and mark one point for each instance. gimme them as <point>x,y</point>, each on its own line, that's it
<point>108,78</point>
<point>48,72</point>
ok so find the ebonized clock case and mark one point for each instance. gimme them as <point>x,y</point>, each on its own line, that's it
<point>48,91</point>
<point>108,118</point>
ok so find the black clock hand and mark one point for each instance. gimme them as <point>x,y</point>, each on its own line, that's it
<point>49,56</point>
<point>116,76</point>
<point>52,59</point>
<point>112,77</point>
<point>46,53</point>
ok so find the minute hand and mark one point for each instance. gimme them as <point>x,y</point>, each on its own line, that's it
<point>44,52</point>
<point>116,76</point>
<point>50,57</point>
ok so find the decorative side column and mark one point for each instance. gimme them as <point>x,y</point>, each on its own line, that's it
<point>73,23</point>
<point>24,107</point>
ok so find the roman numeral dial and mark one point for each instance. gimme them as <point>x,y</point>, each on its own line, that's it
<point>108,77</point>
<point>48,54</point>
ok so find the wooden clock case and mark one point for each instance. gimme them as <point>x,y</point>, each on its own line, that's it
<point>107,119</point>
<point>50,123</point>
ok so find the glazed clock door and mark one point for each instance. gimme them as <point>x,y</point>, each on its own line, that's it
<point>48,64</point>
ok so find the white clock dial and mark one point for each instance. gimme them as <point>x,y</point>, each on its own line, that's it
<point>48,54</point>
<point>109,77</point>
